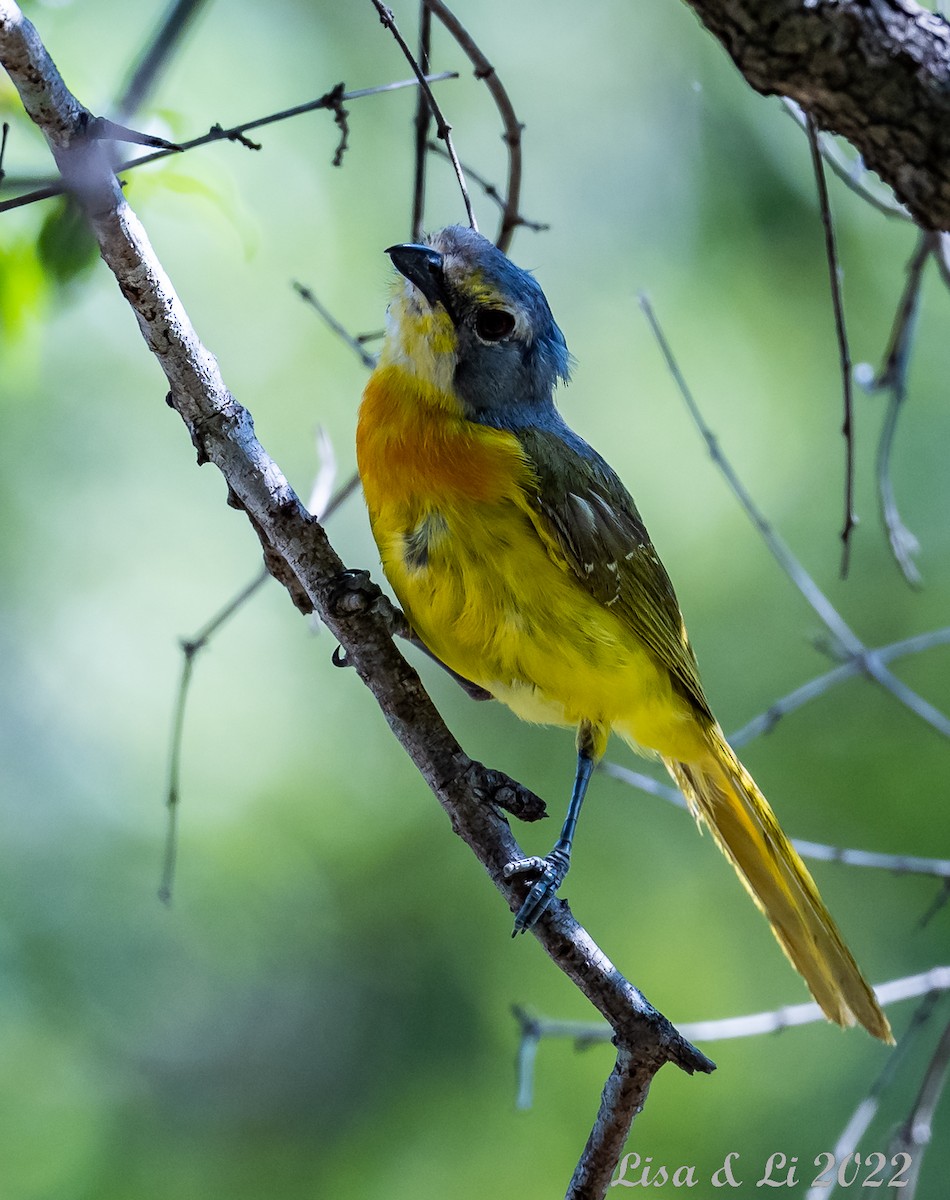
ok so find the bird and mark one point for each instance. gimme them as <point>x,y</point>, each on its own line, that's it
<point>522,564</point>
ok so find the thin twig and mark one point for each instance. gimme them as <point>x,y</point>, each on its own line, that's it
<point>892,377</point>
<point>851,171</point>
<point>490,190</point>
<point>856,664</point>
<point>589,1033</point>
<point>527,1052</point>
<point>938,902</point>
<point>510,218</point>
<point>235,133</point>
<point>442,128</point>
<point>191,647</point>
<point>4,134</point>
<point>914,1135</point>
<point>899,864</point>
<point>155,56</point>
<point>942,256</point>
<point>867,1110</point>
<point>849,641</point>
<point>422,122</point>
<point>844,351</point>
<point>368,360</point>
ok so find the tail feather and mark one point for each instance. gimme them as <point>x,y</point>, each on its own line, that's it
<point>721,793</point>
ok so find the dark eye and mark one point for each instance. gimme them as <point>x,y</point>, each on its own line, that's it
<point>493,324</point>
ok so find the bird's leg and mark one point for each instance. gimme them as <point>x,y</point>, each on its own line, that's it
<point>551,869</point>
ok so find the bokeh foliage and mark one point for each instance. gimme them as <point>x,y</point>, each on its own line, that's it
<point>324,1010</point>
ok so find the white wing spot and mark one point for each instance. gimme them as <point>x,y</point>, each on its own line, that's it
<point>584,510</point>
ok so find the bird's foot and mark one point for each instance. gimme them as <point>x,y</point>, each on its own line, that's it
<point>550,872</point>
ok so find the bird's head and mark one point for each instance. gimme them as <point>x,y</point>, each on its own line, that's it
<point>469,323</point>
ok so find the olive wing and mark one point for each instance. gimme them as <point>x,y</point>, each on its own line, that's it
<point>591,527</point>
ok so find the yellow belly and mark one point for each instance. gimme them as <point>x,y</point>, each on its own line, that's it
<point>479,586</point>
<point>492,604</point>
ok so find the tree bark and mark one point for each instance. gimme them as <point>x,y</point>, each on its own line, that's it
<point>875,71</point>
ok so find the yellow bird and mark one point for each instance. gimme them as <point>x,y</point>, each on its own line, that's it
<point>522,564</point>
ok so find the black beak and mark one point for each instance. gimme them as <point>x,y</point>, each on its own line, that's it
<point>422,266</point>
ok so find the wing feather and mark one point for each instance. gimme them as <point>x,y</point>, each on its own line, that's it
<point>591,527</point>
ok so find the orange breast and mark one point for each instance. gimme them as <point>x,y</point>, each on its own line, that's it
<point>414,445</point>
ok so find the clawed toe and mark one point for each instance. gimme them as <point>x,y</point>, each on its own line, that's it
<point>550,872</point>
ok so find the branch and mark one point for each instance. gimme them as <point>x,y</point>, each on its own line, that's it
<point>237,133</point>
<point>898,864</point>
<point>156,55</point>
<point>841,334</point>
<point>586,1033</point>
<point>856,664</point>
<point>422,122</point>
<point>851,170</point>
<point>892,377</point>
<point>625,1094</point>
<point>442,128</point>
<point>836,625</point>
<point>298,553</point>
<point>867,1110</point>
<point>490,190</point>
<point>368,360</point>
<point>875,71</point>
<point>914,1135</point>
<point>510,217</point>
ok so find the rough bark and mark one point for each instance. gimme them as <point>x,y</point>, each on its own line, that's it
<point>875,71</point>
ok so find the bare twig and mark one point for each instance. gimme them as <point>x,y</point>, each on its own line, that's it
<point>323,506</point>
<point>534,1029</point>
<point>914,1135</point>
<point>4,134</point>
<point>892,377</point>
<point>589,1033</point>
<point>899,864</point>
<point>368,360</point>
<point>190,649</point>
<point>157,53</point>
<point>490,190</point>
<point>819,602</point>
<point>624,1096</point>
<point>321,494</point>
<point>422,123</point>
<point>856,664</point>
<point>442,128</point>
<point>851,171</point>
<point>235,133</point>
<point>844,352</point>
<point>103,130</point>
<point>866,1111</point>
<point>510,218</point>
<point>942,256</point>
<point>938,902</point>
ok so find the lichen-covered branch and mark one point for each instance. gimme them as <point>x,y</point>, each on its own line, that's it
<point>875,71</point>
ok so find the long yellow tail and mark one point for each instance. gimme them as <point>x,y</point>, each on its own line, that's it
<point>722,793</point>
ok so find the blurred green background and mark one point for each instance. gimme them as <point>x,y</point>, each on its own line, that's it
<point>324,1010</point>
